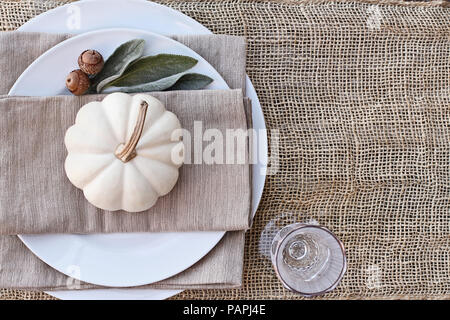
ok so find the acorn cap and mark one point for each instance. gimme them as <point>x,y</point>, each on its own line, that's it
<point>90,62</point>
<point>77,82</point>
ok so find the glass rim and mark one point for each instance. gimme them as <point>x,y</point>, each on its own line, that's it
<point>344,258</point>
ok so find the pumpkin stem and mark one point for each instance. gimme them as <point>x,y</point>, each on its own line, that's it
<point>126,152</point>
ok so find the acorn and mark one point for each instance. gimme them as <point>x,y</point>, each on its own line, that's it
<point>77,82</point>
<point>90,62</point>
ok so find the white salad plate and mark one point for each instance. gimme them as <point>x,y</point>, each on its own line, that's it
<point>66,252</point>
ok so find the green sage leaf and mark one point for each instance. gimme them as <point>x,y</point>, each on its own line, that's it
<point>181,81</point>
<point>117,63</point>
<point>191,81</point>
<point>153,68</point>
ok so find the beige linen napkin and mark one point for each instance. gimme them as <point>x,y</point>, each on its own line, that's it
<point>222,267</point>
<point>37,197</point>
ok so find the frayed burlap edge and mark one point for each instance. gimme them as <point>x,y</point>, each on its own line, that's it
<point>432,3</point>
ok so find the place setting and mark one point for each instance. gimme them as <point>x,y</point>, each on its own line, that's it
<point>162,227</point>
<point>226,150</point>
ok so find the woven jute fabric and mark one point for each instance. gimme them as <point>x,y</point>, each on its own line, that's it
<point>359,94</point>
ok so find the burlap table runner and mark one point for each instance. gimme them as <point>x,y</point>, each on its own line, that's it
<point>360,94</point>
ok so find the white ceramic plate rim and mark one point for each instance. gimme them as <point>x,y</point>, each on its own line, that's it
<point>19,88</point>
<point>40,22</point>
<point>46,23</point>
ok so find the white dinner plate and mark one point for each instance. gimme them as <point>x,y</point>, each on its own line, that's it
<point>165,21</point>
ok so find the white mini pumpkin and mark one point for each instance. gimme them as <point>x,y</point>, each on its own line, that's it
<point>124,152</point>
